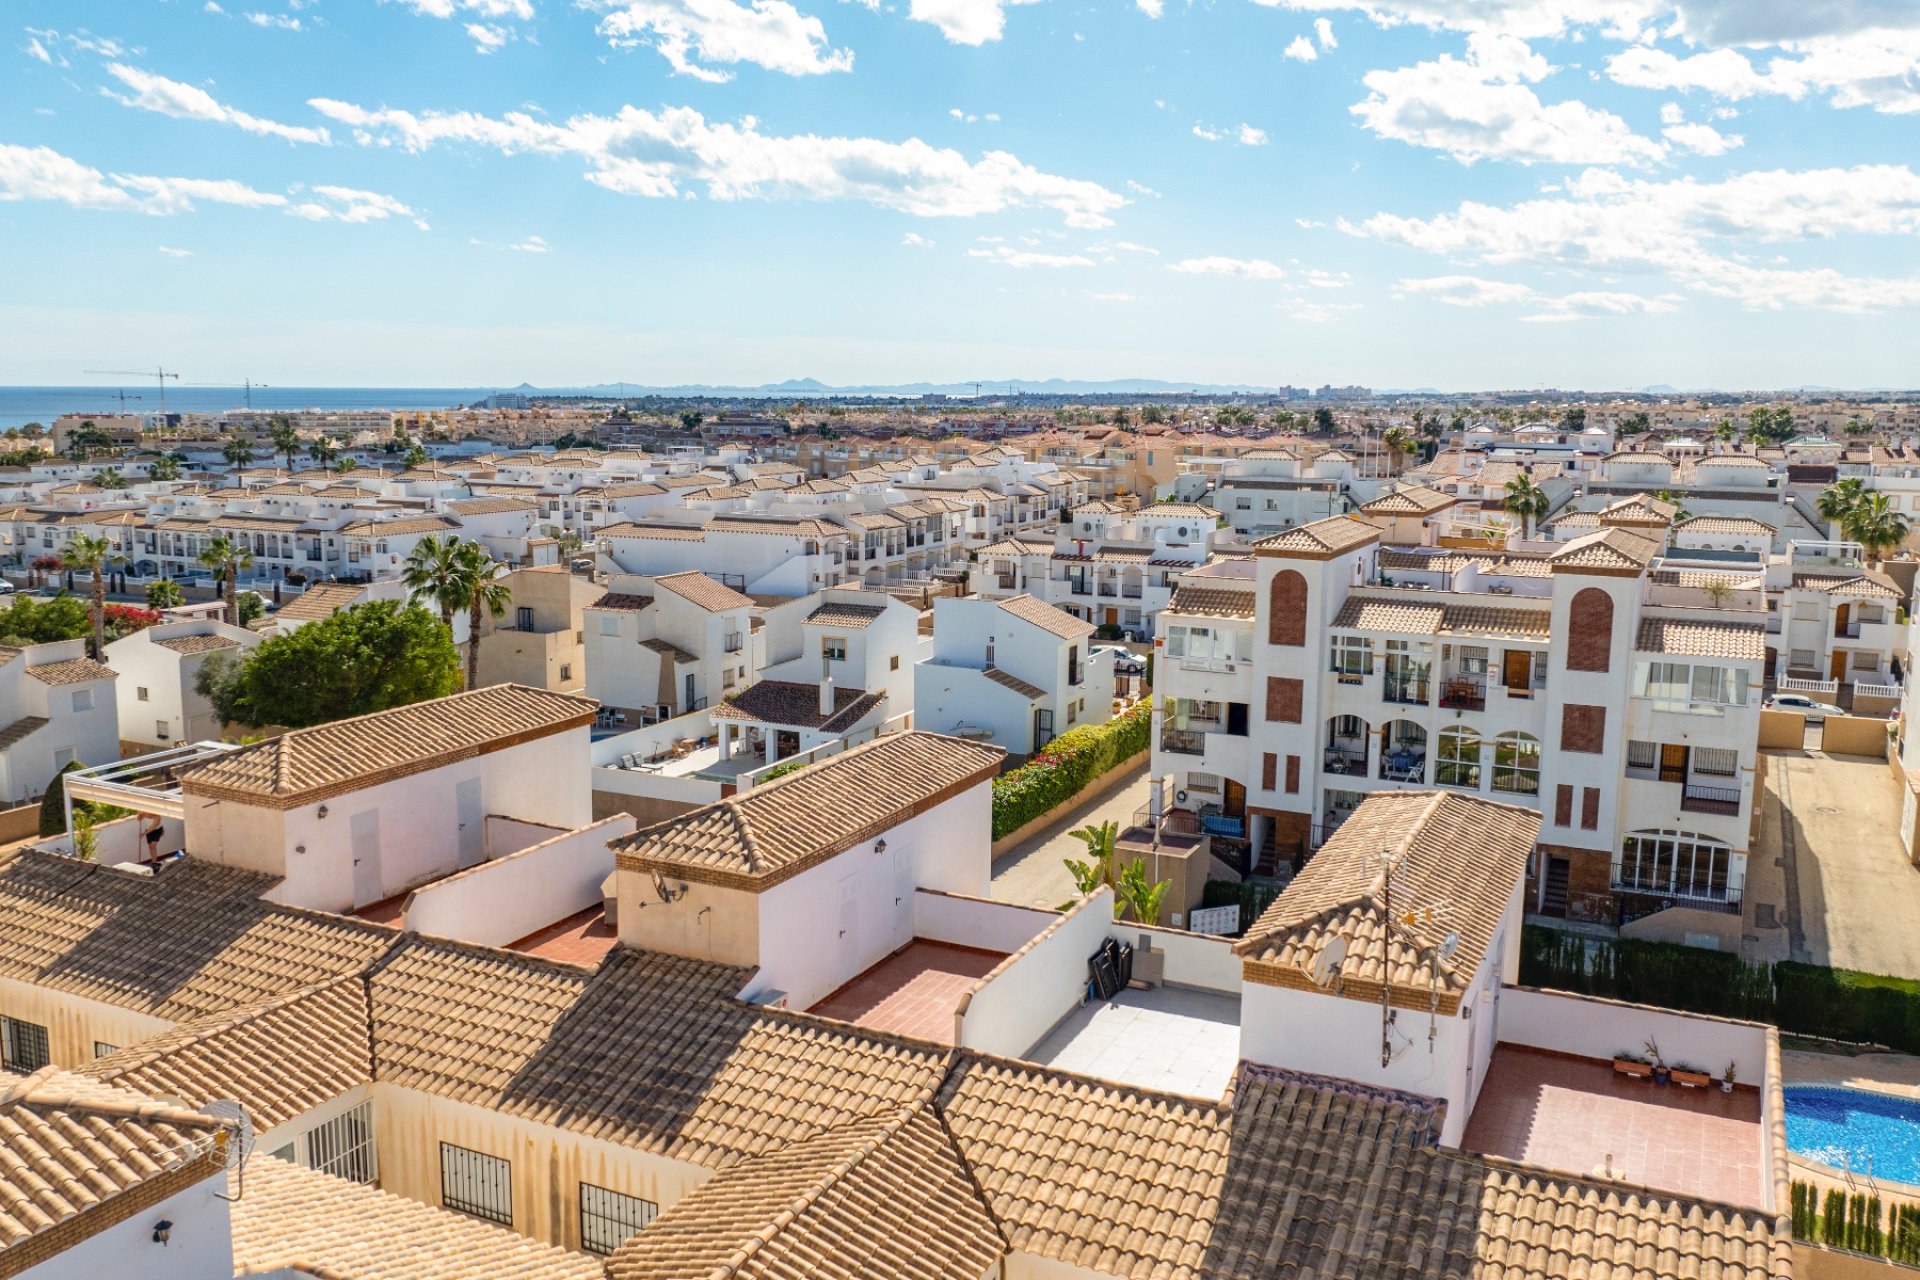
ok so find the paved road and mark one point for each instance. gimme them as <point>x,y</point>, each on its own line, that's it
<point>1850,897</point>
<point>1035,873</point>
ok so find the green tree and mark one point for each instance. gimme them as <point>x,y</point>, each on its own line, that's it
<point>432,573</point>
<point>286,440</point>
<point>1574,417</point>
<point>249,607</point>
<point>1525,499</point>
<point>94,555</point>
<point>164,468</point>
<point>1633,424</point>
<point>1876,526</point>
<point>1097,870</point>
<point>485,593</point>
<point>238,452</point>
<point>691,419</point>
<point>227,557</point>
<point>1153,413</point>
<point>29,621</point>
<point>324,450</point>
<point>165,594</point>
<point>1398,441</point>
<point>365,658</point>
<point>415,459</point>
<point>1837,501</point>
<point>110,478</point>
<point>1323,420</point>
<point>1141,896</point>
<point>1724,433</point>
<point>53,802</point>
<point>344,465</point>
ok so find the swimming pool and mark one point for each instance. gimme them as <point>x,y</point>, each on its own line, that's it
<point>1851,1128</point>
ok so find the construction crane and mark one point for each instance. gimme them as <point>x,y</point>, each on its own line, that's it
<point>158,374</point>
<point>247,383</point>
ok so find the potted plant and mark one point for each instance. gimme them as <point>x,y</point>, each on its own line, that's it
<point>1628,1063</point>
<point>1726,1081</point>
<point>1690,1077</point>
<point>1660,1072</point>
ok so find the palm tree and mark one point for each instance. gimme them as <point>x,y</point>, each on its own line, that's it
<point>227,557</point>
<point>1527,500</point>
<point>93,555</point>
<point>433,570</point>
<point>165,594</point>
<point>1876,526</point>
<point>1724,432</point>
<point>1838,501</point>
<point>1088,877</point>
<point>164,468</point>
<point>281,431</point>
<point>569,544</point>
<point>1398,442</point>
<point>324,450</point>
<point>485,592</point>
<point>238,452</point>
<point>345,465</point>
<point>110,478</point>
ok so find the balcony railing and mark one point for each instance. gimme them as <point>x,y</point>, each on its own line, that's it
<point>1464,693</point>
<point>1130,593</point>
<point>1407,690</point>
<point>1695,798</point>
<point>1183,742</point>
<point>1636,903</point>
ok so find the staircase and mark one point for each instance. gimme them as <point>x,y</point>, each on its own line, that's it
<point>1554,901</point>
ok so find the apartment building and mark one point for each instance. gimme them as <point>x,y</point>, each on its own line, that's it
<point>57,706</point>
<point>158,704</point>
<point>541,638</point>
<point>1836,620</point>
<point>1013,673</point>
<point>661,647</point>
<point>1263,491</point>
<point>1622,707</point>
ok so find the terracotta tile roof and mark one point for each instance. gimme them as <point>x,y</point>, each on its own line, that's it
<point>194,939</point>
<point>789,702</point>
<point>278,1058</point>
<point>197,644</point>
<point>1322,538</point>
<point>295,1221</point>
<point>1726,524</point>
<point>1415,500</point>
<point>70,1146</point>
<point>398,526</point>
<point>1006,679</point>
<point>1631,455</point>
<point>1732,460</point>
<point>1097,1175</point>
<point>320,601</point>
<point>1640,508</point>
<point>490,506</point>
<point>308,765</point>
<point>1458,853</point>
<point>1210,602</point>
<point>847,617</point>
<point>1576,520</point>
<point>667,649</point>
<point>1618,551</point>
<point>622,602</point>
<point>881,1198</point>
<point>792,527</point>
<point>781,828</point>
<point>22,729</point>
<point>1744,640</point>
<point>648,1050</point>
<point>710,595</point>
<point>1864,584</point>
<point>659,532</point>
<point>1410,617</point>
<point>72,671</point>
<point>1048,618</point>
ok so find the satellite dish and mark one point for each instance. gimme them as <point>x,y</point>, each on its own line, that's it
<point>1326,965</point>
<point>1449,945</point>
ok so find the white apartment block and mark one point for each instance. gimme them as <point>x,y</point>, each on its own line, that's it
<point>56,706</point>
<point>158,705</point>
<point>657,648</point>
<point>1012,673</point>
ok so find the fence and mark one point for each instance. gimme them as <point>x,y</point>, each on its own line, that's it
<point>1793,684</point>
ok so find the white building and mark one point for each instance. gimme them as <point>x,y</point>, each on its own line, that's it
<point>158,704</point>
<point>56,706</point>
<point>1015,673</point>
<point>657,648</point>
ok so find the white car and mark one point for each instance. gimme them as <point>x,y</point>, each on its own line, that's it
<point>7,588</point>
<point>1125,662</point>
<point>1815,712</point>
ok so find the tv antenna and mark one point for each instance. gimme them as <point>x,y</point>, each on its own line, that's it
<point>239,1147</point>
<point>1404,924</point>
<point>158,374</point>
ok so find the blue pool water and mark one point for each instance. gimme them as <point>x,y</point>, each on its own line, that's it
<point>1853,1128</point>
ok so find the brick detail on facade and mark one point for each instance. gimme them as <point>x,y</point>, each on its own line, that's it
<point>1583,728</point>
<point>1590,630</point>
<point>1269,771</point>
<point>1563,806</point>
<point>1590,809</point>
<point>1285,695</point>
<point>1589,882</point>
<point>1293,775</point>
<point>1287,609</point>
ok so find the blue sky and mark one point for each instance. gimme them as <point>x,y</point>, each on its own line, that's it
<point>1452,193</point>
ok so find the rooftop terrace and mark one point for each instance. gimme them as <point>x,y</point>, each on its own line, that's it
<point>916,991</point>
<point>1169,1039</point>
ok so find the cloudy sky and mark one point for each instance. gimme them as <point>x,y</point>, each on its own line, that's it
<point>1451,193</point>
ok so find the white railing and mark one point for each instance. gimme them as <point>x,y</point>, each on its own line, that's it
<point>1792,684</point>
<point>1866,689</point>
<point>902,723</point>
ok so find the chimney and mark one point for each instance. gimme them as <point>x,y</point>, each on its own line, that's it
<point>826,684</point>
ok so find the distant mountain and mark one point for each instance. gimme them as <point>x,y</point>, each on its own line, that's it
<point>1659,389</point>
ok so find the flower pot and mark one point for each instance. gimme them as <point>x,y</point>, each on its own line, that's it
<point>1691,1079</point>
<point>1726,1086</point>
<point>1638,1070</point>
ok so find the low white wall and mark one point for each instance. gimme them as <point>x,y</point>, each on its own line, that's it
<point>977,922</point>
<point>1601,1028</point>
<point>506,835</point>
<point>1027,995</point>
<point>655,786</point>
<point>1193,959</point>
<point>645,740</point>
<point>505,900</point>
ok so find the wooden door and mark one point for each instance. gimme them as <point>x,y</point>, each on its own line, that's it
<point>1519,669</point>
<point>1838,670</point>
<point>1113,617</point>
<point>1673,762</point>
<point>1236,799</point>
<point>1840,616</point>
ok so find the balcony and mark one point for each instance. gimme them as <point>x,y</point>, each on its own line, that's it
<point>1725,801</point>
<point>1130,593</point>
<point>1464,693</point>
<point>1635,903</point>
<point>1409,691</point>
<point>1184,742</point>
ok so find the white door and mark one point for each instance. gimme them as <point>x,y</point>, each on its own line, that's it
<point>473,823</point>
<point>903,887</point>
<point>366,857</point>
<point>850,962</point>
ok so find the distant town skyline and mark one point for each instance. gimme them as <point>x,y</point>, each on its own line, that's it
<point>1576,194</point>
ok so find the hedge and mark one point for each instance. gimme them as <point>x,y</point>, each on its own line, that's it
<point>1855,1221</point>
<point>1251,896</point>
<point>1805,999</point>
<point>1062,768</point>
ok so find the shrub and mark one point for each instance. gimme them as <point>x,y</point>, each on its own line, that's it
<point>1063,767</point>
<point>782,769</point>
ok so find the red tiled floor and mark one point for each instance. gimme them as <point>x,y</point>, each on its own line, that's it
<point>386,911</point>
<point>1574,1115</point>
<point>912,992</point>
<point>579,939</point>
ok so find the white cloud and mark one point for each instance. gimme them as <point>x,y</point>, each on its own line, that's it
<point>696,36</point>
<point>968,117</point>
<point>1140,189</point>
<point>914,240</point>
<point>1112,297</point>
<point>1152,8</point>
<point>1691,232</point>
<point>1318,279</point>
<point>521,9</point>
<point>1301,50</point>
<point>175,253</point>
<point>186,102</point>
<point>1323,32</point>
<point>350,204</point>
<point>639,152</point>
<point>1309,311</point>
<point>1527,19</point>
<point>37,50</point>
<point>1474,291</point>
<point>1592,304</point>
<point>1022,259</point>
<point>1201,131</point>
<point>1237,268</point>
<point>1463,291</point>
<point>487,38</point>
<point>282,21</point>
<point>532,244</point>
<point>1481,108</point>
<point>211,7</point>
<point>1248,136</point>
<point>1111,247</point>
<point>1244,134</point>
<point>974,22</point>
<point>1880,69</point>
<point>1702,139</point>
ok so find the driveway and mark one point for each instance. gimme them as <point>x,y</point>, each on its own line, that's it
<point>1850,895</point>
<point>1035,873</point>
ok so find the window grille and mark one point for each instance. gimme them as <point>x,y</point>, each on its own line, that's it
<point>476,1183</point>
<point>608,1219</point>
<point>343,1146</point>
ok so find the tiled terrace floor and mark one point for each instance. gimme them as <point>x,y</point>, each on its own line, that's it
<point>912,992</point>
<point>1573,1115</point>
<point>1169,1038</point>
<point>579,939</point>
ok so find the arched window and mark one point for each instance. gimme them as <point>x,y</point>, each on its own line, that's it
<point>1675,863</point>
<point>1287,609</point>
<point>1516,764</point>
<point>1458,758</point>
<point>1590,630</point>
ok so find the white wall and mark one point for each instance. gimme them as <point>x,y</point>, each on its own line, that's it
<point>1192,959</point>
<point>1594,1028</point>
<point>199,1245</point>
<point>977,922</point>
<point>1029,995</point>
<point>509,898</point>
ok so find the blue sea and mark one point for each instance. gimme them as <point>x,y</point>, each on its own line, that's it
<point>21,405</point>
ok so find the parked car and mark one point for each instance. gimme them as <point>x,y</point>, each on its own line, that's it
<point>7,588</point>
<point>1125,661</point>
<point>1815,712</point>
